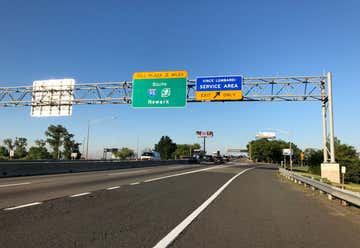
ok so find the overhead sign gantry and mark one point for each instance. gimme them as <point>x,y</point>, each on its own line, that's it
<point>288,88</point>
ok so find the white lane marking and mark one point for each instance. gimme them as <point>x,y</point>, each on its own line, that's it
<point>13,184</point>
<point>126,172</point>
<point>136,183</point>
<point>23,206</point>
<point>111,188</point>
<point>171,236</point>
<point>81,194</point>
<point>184,173</point>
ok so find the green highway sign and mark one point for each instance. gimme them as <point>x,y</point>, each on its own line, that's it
<point>165,89</point>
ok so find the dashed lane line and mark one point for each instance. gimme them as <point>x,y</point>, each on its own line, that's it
<point>81,194</point>
<point>111,188</point>
<point>14,184</point>
<point>23,206</point>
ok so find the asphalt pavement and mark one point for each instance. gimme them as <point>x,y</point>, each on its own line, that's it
<point>16,191</point>
<point>246,207</point>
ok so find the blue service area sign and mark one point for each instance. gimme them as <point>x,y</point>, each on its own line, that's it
<point>219,88</point>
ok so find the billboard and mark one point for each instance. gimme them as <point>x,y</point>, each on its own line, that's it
<point>205,134</point>
<point>266,135</point>
<point>52,97</point>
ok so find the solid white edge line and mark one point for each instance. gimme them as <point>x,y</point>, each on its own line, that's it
<point>23,206</point>
<point>111,188</point>
<point>183,173</point>
<point>14,184</point>
<point>136,183</point>
<point>172,235</point>
<point>126,172</point>
<point>81,194</point>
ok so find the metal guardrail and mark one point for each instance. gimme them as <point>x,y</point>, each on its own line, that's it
<point>345,195</point>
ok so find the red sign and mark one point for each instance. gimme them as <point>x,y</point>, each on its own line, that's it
<point>205,133</point>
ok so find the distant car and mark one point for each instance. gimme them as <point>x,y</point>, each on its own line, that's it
<point>150,156</point>
<point>218,160</point>
<point>193,159</point>
<point>209,158</point>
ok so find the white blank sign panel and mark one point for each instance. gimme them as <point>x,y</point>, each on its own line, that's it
<point>52,97</point>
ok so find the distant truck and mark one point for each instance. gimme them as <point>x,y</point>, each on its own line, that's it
<point>153,155</point>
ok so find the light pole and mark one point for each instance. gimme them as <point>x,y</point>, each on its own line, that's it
<point>263,135</point>
<point>83,147</point>
<point>291,160</point>
<point>59,145</point>
<point>250,157</point>
<point>290,144</point>
<point>88,131</point>
<point>87,141</point>
<point>137,148</point>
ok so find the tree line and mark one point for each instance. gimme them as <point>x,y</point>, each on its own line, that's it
<point>166,147</point>
<point>60,141</point>
<point>264,150</point>
<point>170,150</point>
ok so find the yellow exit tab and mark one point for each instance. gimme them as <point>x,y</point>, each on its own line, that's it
<point>159,74</point>
<point>219,95</point>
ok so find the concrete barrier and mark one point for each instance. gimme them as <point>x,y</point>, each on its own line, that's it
<point>31,168</point>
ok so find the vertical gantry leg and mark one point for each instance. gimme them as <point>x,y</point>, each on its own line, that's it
<point>329,169</point>
<point>331,119</point>
<point>324,126</point>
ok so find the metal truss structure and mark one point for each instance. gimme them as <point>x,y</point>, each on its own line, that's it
<point>291,88</point>
<point>91,93</point>
<point>298,88</point>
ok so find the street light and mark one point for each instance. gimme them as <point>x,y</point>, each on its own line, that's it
<point>88,131</point>
<point>289,136</point>
<point>262,135</point>
<point>59,144</point>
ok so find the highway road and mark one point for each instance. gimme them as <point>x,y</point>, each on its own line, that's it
<point>231,205</point>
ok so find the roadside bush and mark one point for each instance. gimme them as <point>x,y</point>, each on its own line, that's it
<point>353,172</point>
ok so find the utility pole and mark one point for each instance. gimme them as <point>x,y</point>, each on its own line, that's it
<point>87,141</point>
<point>291,158</point>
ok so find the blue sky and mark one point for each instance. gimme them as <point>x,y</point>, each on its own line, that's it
<point>94,41</point>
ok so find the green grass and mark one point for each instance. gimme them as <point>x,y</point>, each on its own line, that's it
<point>301,168</point>
<point>349,186</point>
<point>308,174</point>
<point>353,187</point>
